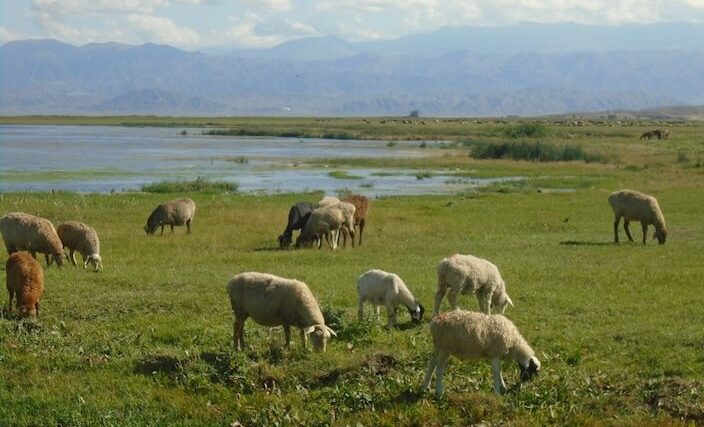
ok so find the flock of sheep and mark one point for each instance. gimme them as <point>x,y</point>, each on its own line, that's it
<point>275,301</point>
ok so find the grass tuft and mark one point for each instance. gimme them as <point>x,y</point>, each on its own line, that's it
<point>199,185</point>
<point>533,151</point>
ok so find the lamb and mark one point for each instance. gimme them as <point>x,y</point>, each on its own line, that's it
<point>25,281</point>
<point>361,205</point>
<point>472,335</point>
<point>636,206</point>
<point>24,232</point>
<point>325,201</point>
<point>467,273</point>
<point>382,288</point>
<point>80,237</point>
<point>327,222</point>
<point>174,212</point>
<point>297,217</point>
<point>274,301</point>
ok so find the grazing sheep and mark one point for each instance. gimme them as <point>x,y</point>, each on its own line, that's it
<point>24,232</point>
<point>361,205</point>
<point>275,301</point>
<point>636,206</point>
<point>297,217</point>
<point>325,201</point>
<point>472,335</point>
<point>80,237</point>
<point>382,288</point>
<point>25,281</point>
<point>467,273</point>
<point>174,212</point>
<point>647,135</point>
<point>327,222</point>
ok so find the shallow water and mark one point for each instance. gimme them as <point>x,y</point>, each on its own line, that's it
<point>111,158</point>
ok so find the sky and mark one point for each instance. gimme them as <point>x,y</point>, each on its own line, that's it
<point>237,24</point>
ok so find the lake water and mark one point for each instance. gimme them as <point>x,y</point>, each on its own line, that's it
<point>111,158</point>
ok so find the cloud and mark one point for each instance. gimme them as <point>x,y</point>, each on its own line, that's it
<point>163,30</point>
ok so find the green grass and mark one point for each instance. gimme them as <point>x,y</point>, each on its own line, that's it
<point>534,151</point>
<point>343,175</point>
<point>148,341</point>
<point>197,185</point>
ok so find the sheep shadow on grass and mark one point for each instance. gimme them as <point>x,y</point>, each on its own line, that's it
<point>586,243</point>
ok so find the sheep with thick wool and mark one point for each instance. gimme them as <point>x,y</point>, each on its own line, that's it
<point>382,288</point>
<point>325,201</point>
<point>25,281</point>
<point>174,212</point>
<point>473,335</point>
<point>275,301</point>
<point>462,274</point>
<point>326,222</point>
<point>636,206</point>
<point>81,238</point>
<point>24,232</point>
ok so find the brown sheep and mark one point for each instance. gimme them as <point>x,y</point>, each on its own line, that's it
<point>25,280</point>
<point>361,204</point>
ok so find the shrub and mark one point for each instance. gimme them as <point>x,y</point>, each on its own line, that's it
<point>200,184</point>
<point>535,151</point>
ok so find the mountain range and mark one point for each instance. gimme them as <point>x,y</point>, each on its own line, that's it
<point>524,69</point>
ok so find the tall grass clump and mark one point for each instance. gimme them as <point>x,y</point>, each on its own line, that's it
<point>199,184</point>
<point>534,151</point>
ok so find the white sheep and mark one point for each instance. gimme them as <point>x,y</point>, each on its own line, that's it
<point>325,201</point>
<point>24,232</point>
<point>381,288</point>
<point>80,237</point>
<point>473,335</point>
<point>275,301</point>
<point>326,222</point>
<point>466,273</point>
<point>636,206</point>
<point>174,212</point>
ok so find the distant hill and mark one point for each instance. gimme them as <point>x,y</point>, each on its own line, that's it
<point>525,70</point>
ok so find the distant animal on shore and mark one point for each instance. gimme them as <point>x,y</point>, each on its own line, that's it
<point>297,217</point>
<point>647,135</point>
<point>656,133</point>
<point>175,212</point>
<point>636,206</point>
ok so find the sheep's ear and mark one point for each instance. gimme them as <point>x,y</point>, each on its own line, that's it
<point>308,330</point>
<point>331,331</point>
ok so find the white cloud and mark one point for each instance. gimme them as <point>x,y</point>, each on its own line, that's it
<point>273,5</point>
<point>163,30</point>
<point>7,35</point>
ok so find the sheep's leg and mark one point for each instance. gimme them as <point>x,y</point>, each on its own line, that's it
<point>162,229</point>
<point>304,339</point>
<point>429,372</point>
<point>377,308</point>
<point>617,219</point>
<point>188,227</point>
<point>360,310</point>
<point>48,261</point>
<point>335,235</point>
<point>172,228</point>
<point>36,308</point>
<point>72,257</point>
<point>452,297</point>
<point>9,304</point>
<point>439,295</point>
<point>391,314</point>
<point>645,230</point>
<point>439,372</point>
<point>626,223</point>
<point>361,230</point>
<point>287,335</point>
<point>239,333</point>
<point>499,384</point>
<point>484,303</point>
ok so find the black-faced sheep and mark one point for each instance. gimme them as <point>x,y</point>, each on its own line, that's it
<point>24,232</point>
<point>275,301</point>
<point>82,238</point>
<point>472,335</point>
<point>381,288</point>
<point>636,206</point>
<point>462,274</point>
<point>175,212</point>
<point>297,217</point>
<point>25,281</point>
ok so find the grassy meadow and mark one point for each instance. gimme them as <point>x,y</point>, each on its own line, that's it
<point>619,329</point>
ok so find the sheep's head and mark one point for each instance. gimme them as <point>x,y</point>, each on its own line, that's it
<point>319,336</point>
<point>58,258</point>
<point>284,241</point>
<point>150,229</point>
<point>28,310</point>
<point>531,370</point>
<point>417,313</point>
<point>661,235</point>
<point>95,261</point>
<point>500,302</point>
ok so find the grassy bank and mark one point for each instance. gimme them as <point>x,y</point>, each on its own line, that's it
<point>147,341</point>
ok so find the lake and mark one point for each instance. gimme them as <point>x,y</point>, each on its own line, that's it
<point>112,158</point>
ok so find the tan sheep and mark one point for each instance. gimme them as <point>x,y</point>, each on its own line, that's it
<point>326,222</point>
<point>25,281</point>
<point>462,274</point>
<point>174,212</point>
<point>80,237</point>
<point>325,201</point>
<point>24,232</point>
<point>472,335</point>
<point>275,301</point>
<point>636,206</point>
